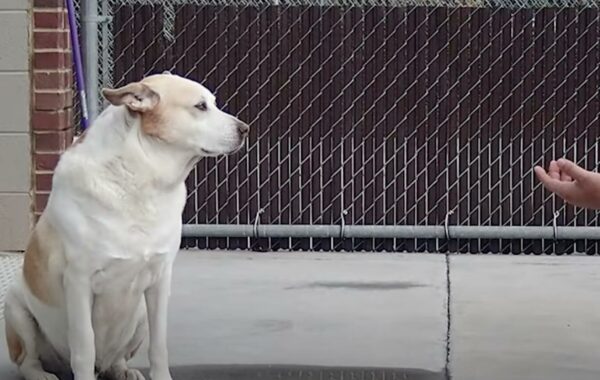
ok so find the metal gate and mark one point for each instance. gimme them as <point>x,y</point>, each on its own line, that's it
<point>378,112</point>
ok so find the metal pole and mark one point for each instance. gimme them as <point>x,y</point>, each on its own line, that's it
<point>390,232</point>
<point>105,47</point>
<point>77,63</point>
<point>89,20</point>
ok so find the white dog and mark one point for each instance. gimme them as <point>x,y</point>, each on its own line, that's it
<point>97,272</point>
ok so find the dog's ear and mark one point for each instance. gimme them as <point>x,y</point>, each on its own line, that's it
<point>167,72</point>
<point>136,96</point>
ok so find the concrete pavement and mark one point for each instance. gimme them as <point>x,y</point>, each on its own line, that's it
<point>381,316</point>
<point>525,318</point>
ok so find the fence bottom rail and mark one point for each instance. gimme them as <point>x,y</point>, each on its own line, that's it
<point>390,232</point>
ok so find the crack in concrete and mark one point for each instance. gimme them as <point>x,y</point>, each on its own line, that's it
<point>447,372</point>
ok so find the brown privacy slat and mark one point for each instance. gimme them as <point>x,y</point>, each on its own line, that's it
<point>282,87</point>
<point>579,122</point>
<point>228,29</point>
<point>294,82</point>
<point>417,18</point>
<point>380,116</point>
<point>236,164</point>
<point>398,62</point>
<point>587,119</point>
<point>329,107</point>
<point>525,110</point>
<point>362,126</point>
<point>485,57</point>
<point>407,170</point>
<point>421,122</point>
<point>394,29</point>
<point>515,130</point>
<point>473,41</point>
<point>368,129</point>
<point>396,114</point>
<point>569,107</point>
<point>453,119</point>
<point>331,30</point>
<point>140,19</point>
<point>504,93</point>
<point>550,50</point>
<point>123,27</point>
<point>437,107</point>
<point>460,28</point>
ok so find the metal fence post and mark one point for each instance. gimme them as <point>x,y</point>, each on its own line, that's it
<point>89,31</point>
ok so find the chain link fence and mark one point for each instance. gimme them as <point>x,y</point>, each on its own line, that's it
<point>392,112</point>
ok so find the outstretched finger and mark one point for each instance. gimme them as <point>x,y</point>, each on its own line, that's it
<point>542,175</point>
<point>554,170</point>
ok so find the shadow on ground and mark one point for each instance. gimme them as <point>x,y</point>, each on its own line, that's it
<point>281,372</point>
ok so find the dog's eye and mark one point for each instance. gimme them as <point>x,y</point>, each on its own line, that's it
<point>202,106</point>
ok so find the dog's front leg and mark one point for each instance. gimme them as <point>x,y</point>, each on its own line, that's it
<point>157,299</point>
<point>79,300</point>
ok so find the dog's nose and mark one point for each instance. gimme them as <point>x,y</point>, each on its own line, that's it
<point>243,128</point>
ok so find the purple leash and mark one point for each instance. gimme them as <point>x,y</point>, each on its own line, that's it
<point>77,63</point>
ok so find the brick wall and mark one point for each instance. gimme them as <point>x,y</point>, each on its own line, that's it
<point>52,107</point>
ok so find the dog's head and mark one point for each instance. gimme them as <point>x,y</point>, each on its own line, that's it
<point>181,112</point>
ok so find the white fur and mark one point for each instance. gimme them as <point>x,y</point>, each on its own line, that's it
<point>116,206</point>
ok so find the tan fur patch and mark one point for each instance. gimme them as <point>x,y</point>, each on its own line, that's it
<point>35,269</point>
<point>15,345</point>
<point>151,124</point>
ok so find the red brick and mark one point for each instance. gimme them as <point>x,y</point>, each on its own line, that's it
<point>68,60</point>
<point>52,114</point>
<point>48,3</point>
<point>51,60</point>
<point>41,200</point>
<point>52,120</point>
<point>49,101</point>
<point>51,39</point>
<point>43,182</point>
<point>53,141</point>
<point>49,19</point>
<point>46,80</point>
<point>46,161</point>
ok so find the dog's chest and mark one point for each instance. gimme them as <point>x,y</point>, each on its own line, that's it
<point>129,275</point>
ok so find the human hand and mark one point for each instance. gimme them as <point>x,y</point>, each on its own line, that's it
<point>572,183</point>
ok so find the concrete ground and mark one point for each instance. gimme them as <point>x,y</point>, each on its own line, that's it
<point>379,316</point>
<point>525,318</point>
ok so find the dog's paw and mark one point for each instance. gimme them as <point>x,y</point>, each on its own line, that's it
<point>129,374</point>
<point>44,376</point>
<point>160,376</point>
<point>38,375</point>
<point>122,374</point>
<point>133,374</point>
